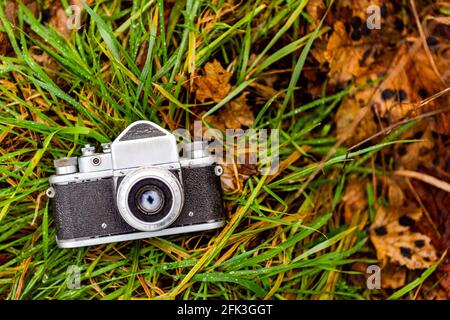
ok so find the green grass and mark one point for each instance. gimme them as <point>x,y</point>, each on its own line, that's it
<point>278,244</point>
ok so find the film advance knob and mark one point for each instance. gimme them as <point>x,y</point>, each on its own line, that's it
<point>106,147</point>
<point>88,150</point>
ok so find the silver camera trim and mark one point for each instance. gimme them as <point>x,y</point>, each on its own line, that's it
<point>145,151</point>
<point>137,175</point>
<point>82,242</point>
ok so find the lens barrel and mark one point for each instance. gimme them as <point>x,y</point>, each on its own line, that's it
<point>150,199</point>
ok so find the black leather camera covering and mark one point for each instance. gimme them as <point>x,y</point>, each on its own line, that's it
<point>80,209</point>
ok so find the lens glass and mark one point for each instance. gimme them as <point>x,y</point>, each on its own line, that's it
<point>150,199</point>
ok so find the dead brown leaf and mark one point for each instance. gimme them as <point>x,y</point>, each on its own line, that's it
<point>354,200</point>
<point>415,154</point>
<point>342,56</point>
<point>11,11</point>
<point>11,8</point>
<point>396,196</point>
<point>410,80</point>
<point>431,292</point>
<point>42,58</point>
<point>359,6</point>
<point>316,9</point>
<point>234,115</point>
<point>59,20</point>
<point>347,113</point>
<point>50,65</point>
<point>214,84</point>
<point>234,176</point>
<point>395,242</point>
<point>393,276</point>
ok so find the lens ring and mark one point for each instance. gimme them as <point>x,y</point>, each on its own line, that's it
<point>172,189</point>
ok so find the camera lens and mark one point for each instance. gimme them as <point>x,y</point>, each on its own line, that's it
<point>150,199</point>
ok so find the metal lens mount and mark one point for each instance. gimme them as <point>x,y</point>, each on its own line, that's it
<point>146,178</point>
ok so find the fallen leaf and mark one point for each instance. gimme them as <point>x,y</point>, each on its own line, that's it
<point>431,292</point>
<point>393,276</point>
<point>4,258</point>
<point>50,65</point>
<point>395,242</point>
<point>347,113</point>
<point>343,57</point>
<point>11,11</point>
<point>316,9</point>
<point>234,115</point>
<point>437,203</point>
<point>11,8</point>
<point>422,77</point>
<point>396,196</point>
<point>214,84</point>
<point>59,20</point>
<point>142,56</point>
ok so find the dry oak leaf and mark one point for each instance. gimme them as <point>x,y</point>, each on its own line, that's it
<point>394,241</point>
<point>342,56</point>
<point>214,84</point>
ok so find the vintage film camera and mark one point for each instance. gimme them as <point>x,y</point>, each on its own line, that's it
<point>138,187</point>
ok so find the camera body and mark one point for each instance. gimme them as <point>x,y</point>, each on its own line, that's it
<point>138,187</point>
